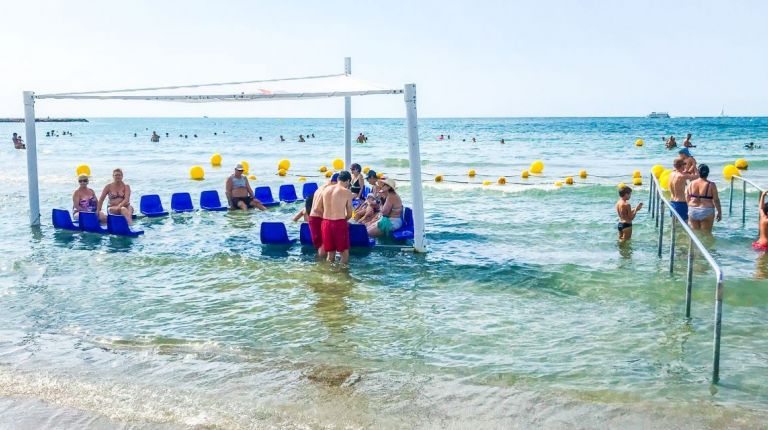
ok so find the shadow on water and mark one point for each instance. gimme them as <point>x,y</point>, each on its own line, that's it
<point>761,269</point>
<point>119,243</point>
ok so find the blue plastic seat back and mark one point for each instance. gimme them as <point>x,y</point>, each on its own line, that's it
<point>264,195</point>
<point>117,224</point>
<point>358,237</point>
<point>406,231</point>
<point>274,233</point>
<point>89,221</point>
<point>150,205</point>
<point>287,193</point>
<point>181,202</point>
<point>308,189</point>
<point>62,220</point>
<point>366,191</point>
<point>209,200</point>
<point>305,237</point>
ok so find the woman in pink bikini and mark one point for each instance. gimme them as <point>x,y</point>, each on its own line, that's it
<point>119,194</point>
<point>761,244</point>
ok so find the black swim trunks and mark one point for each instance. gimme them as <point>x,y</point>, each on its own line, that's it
<point>237,200</point>
<point>623,225</point>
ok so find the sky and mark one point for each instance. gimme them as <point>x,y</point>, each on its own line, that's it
<point>468,59</point>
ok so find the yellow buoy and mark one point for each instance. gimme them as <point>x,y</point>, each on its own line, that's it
<point>197,173</point>
<point>502,180</point>
<point>639,142</point>
<point>284,164</point>
<point>569,180</point>
<point>558,183</point>
<point>380,175</point>
<point>328,174</point>
<point>621,185</point>
<point>323,169</point>
<point>664,179</point>
<point>637,181</point>
<point>83,169</point>
<point>730,171</point>
<point>281,172</point>
<point>471,173</point>
<point>439,178</point>
<point>338,164</point>
<point>366,169</point>
<point>487,182</point>
<point>252,177</point>
<point>583,174</point>
<point>245,167</point>
<point>657,169</point>
<point>741,164</point>
<point>637,174</point>
<point>216,159</point>
<point>302,179</point>
<point>524,174</point>
<point>537,167</point>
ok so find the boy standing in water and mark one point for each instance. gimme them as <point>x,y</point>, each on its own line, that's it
<point>626,213</point>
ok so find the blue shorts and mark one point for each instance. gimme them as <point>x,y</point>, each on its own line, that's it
<point>682,209</point>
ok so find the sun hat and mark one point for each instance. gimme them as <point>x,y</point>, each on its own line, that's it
<point>239,167</point>
<point>390,183</point>
<point>685,151</point>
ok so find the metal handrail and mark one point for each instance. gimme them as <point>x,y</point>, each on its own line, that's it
<point>657,201</point>
<point>744,182</point>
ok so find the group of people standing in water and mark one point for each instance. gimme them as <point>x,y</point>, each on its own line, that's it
<point>693,197</point>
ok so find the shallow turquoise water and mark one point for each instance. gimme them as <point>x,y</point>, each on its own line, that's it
<point>524,311</point>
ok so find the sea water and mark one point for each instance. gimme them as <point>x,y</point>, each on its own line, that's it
<point>525,311</point>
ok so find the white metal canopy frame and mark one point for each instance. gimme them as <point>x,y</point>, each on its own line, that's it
<point>310,87</point>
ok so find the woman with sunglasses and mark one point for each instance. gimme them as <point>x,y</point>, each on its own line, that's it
<point>83,199</point>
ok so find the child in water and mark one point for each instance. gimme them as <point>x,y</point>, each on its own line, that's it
<point>626,213</point>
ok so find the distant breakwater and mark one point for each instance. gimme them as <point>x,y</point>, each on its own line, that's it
<point>45,120</point>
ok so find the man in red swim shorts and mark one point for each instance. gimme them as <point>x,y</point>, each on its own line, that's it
<point>316,216</point>
<point>336,206</point>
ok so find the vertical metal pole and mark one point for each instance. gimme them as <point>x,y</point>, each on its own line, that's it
<point>414,158</point>
<point>689,284</point>
<point>730,199</point>
<point>347,119</point>
<point>661,225</point>
<point>672,246</point>
<point>34,193</point>
<point>650,194</point>
<point>744,202</point>
<point>718,324</point>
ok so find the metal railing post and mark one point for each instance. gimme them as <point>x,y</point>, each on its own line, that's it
<point>672,248</point>
<point>730,199</point>
<point>718,328</point>
<point>661,228</point>
<point>744,202</point>
<point>689,283</point>
<point>650,195</point>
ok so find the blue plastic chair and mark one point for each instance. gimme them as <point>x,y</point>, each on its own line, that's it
<point>308,188</point>
<point>62,220</point>
<point>151,206</point>
<point>305,236</point>
<point>287,193</point>
<point>89,221</point>
<point>209,200</point>
<point>366,191</point>
<point>181,202</point>
<point>117,225</point>
<point>274,233</point>
<point>264,195</point>
<point>406,231</point>
<point>358,237</point>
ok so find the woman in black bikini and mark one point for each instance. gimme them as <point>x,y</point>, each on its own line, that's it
<point>119,194</point>
<point>358,182</point>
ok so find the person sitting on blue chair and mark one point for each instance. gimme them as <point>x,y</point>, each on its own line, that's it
<point>119,194</point>
<point>84,199</point>
<point>239,191</point>
<point>391,211</point>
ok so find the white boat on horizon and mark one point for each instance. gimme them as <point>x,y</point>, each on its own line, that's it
<point>658,115</point>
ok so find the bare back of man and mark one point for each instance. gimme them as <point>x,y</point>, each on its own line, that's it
<point>336,206</point>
